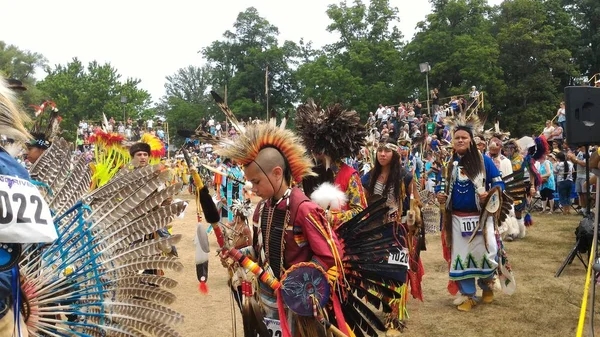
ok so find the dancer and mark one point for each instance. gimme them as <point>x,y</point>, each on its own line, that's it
<point>289,228</point>
<point>331,135</point>
<point>392,182</point>
<point>44,130</point>
<point>231,188</point>
<point>57,262</point>
<point>525,168</point>
<point>471,246</point>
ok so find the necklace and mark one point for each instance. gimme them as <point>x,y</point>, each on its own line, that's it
<point>269,225</point>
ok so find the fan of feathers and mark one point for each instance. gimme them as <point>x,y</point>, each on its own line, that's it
<point>105,275</point>
<point>333,131</point>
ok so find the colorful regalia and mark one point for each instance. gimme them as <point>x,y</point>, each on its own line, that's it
<point>231,188</point>
<point>296,250</point>
<point>404,210</point>
<point>44,130</point>
<point>470,238</point>
<point>331,135</point>
<point>72,267</point>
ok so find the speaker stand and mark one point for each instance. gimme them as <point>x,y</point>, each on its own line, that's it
<point>572,254</point>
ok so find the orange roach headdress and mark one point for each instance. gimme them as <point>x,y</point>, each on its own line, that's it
<point>257,137</point>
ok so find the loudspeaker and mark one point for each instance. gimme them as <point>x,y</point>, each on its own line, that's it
<point>582,114</point>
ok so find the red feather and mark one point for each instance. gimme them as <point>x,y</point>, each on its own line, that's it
<point>203,288</point>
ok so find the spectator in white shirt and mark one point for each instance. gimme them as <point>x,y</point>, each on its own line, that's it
<point>548,130</point>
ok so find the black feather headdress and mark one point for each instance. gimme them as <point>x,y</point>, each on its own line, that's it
<point>333,131</point>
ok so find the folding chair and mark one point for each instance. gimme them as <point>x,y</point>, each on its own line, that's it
<point>533,205</point>
<point>573,197</point>
<point>557,204</point>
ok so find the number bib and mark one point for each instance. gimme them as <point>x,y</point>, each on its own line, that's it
<point>468,225</point>
<point>274,327</point>
<point>399,257</point>
<point>24,215</point>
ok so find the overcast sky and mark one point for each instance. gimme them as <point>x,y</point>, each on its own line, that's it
<point>152,39</point>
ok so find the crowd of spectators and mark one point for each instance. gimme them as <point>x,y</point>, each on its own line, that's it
<point>131,130</point>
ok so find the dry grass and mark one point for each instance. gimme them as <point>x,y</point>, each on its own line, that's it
<point>542,306</point>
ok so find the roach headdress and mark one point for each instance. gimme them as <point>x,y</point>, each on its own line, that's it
<point>496,133</point>
<point>257,137</point>
<point>333,131</point>
<point>45,128</point>
<point>471,124</point>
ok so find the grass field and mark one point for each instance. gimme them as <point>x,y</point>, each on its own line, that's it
<point>542,305</point>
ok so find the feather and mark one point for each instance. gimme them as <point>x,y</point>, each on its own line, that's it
<point>48,164</point>
<point>329,197</point>
<point>492,206</point>
<point>151,328</point>
<point>334,131</point>
<point>284,120</point>
<point>247,319</point>
<point>132,199</point>
<point>73,187</point>
<point>160,281</point>
<point>472,166</point>
<point>154,262</point>
<point>14,149</point>
<point>104,123</point>
<point>154,306</point>
<point>355,317</point>
<point>375,267</point>
<point>12,119</point>
<point>273,117</point>
<point>367,313</point>
<point>261,328</point>
<point>118,183</point>
<point>373,223</point>
<point>146,248</point>
<point>202,136</point>
<point>92,270</point>
<point>148,204</point>
<point>352,223</point>
<point>228,113</point>
<point>365,283</point>
<point>374,300</point>
<point>148,223</point>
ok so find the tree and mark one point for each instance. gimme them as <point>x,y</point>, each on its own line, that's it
<point>187,100</point>
<point>86,93</point>
<point>362,69</point>
<point>240,62</point>
<point>189,84</point>
<point>586,15</point>
<point>532,62</point>
<point>22,65</point>
<point>456,40</point>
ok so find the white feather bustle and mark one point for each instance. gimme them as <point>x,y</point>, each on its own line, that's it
<point>329,196</point>
<point>14,149</point>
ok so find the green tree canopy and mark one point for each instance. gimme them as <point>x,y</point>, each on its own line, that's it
<point>22,65</point>
<point>239,64</point>
<point>86,93</point>
<point>187,100</point>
